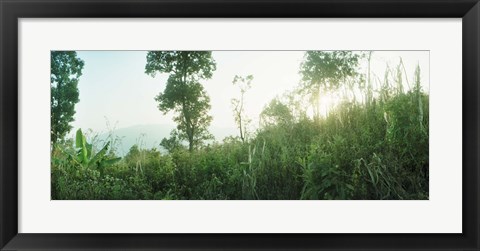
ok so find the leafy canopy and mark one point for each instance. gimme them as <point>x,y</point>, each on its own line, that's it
<point>183,93</point>
<point>326,71</point>
<point>328,68</point>
<point>65,71</point>
<point>276,113</point>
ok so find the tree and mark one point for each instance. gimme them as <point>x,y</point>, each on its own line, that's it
<point>325,71</point>
<point>65,71</point>
<point>276,113</point>
<point>241,119</point>
<point>183,93</point>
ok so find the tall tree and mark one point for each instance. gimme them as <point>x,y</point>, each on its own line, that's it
<point>244,83</point>
<point>183,93</point>
<point>65,71</point>
<point>324,71</point>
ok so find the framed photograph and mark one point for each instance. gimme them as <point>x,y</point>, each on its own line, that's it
<point>168,125</point>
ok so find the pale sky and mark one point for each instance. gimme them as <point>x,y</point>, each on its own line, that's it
<point>114,85</point>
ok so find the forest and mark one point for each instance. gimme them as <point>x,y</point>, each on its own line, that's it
<point>371,143</point>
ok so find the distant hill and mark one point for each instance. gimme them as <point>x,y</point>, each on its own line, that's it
<point>150,136</point>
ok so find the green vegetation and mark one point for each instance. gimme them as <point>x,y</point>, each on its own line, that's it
<point>183,93</point>
<point>66,69</point>
<point>371,144</point>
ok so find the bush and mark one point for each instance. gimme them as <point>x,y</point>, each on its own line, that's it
<point>359,151</point>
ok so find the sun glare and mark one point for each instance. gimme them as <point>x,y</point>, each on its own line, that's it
<point>327,102</point>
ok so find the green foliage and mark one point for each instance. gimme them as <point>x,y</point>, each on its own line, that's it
<point>325,71</point>
<point>329,68</point>
<point>173,143</point>
<point>183,92</point>
<point>85,158</point>
<point>65,71</point>
<point>79,174</point>
<point>375,150</point>
<point>276,113</point>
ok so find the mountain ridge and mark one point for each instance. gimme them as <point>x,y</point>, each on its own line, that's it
<point>150,135</point>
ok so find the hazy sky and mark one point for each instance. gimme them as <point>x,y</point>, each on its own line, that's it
<point>114,85</point>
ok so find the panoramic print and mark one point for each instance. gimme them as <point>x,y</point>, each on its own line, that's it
<point>239,125</point>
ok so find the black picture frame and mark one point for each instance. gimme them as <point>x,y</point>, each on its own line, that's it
<point>12,10</point>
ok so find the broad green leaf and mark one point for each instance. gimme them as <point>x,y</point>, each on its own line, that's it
<point>89,150</point>
<point>99,155</point>
<point>79,136</point>
<point>84,151</point>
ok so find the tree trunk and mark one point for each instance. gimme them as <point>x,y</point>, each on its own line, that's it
<point>186,112</point>
<point>190,145</point>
